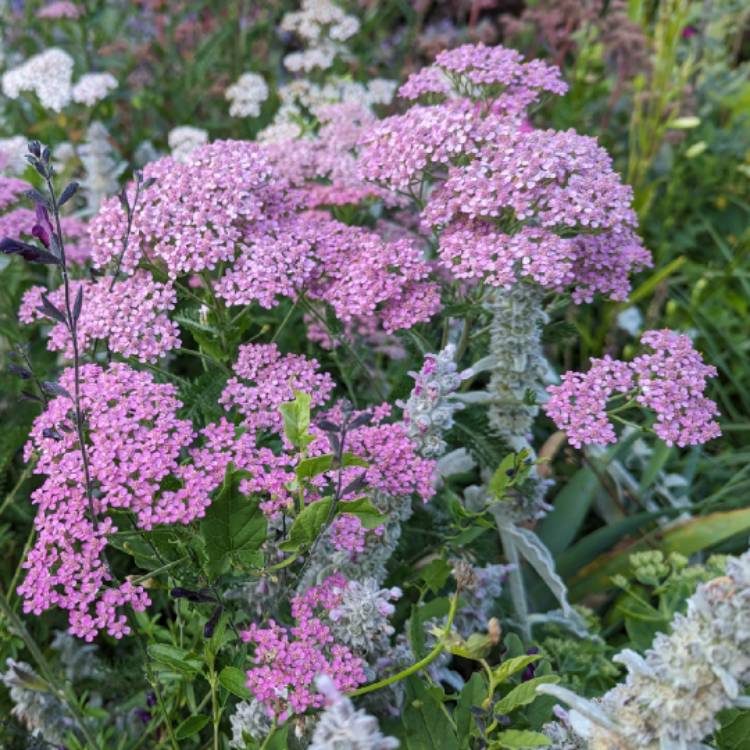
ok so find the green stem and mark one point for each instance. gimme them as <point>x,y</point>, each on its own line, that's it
<point>11,496</point>
<point>439,648</point>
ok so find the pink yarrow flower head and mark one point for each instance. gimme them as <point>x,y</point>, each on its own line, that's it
<point>196,214</point>
<point>480,72</point>
<point>135,441</point>
<point>670,381</point>
<point>131,315</point>
<point>360,275</point>
<point>393,465</point>
<point>265,379</point>
<point>287,660</point>
<point>542,204</point>
<point>506,200</point>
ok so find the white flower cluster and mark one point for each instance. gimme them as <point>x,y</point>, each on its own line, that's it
<point>246,95</point>
<point>93,87</point>
<point>34,705</point>
<point>322,25</point>
<point>343,727</point>
<point>13,151</point>
<point>184,139</point>
<point>101,166</point>
<point>515,343</point>
<point>429,410</point>
<point>672,695</point>
<point>361,620</point>
<point>49,75</point>
<point>301,96</point>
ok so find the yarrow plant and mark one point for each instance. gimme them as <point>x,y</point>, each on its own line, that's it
<point>670,381</point>
<point>279,391</point>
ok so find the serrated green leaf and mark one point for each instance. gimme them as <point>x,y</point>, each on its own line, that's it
<point>522,694</point>
<point>235,681</point>
<point>313,467</point>
<point>190,726</point>
<point>296,415</point>
<point>501,478</point>
<point>234,528</point>
<point>436,574</point>
<point>308,524</point>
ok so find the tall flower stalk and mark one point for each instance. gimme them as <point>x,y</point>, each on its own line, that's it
<point>52,238</point>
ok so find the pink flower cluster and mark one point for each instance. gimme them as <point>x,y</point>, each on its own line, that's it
<point>135,441</point>
<point>11,188</point>
<point>393,467</point>
<point>671,381</point>
<point>59,9</point>
<point>288,660</point>
<point>265,379</point>
<point>543,204</point>
<point>196,214</point>
<point>323,170</point>
<point>399,150</point>
<point>362,277</point>
<point>482,72</point>
<point>269,473</point>
<point>348,533</point>
<point>507,200</point>
<point>239,207</point>
<point>132,316</point>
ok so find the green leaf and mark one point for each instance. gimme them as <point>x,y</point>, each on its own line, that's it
<point>735,730</point>
<point>473,694</point>
<point>686,538</point>
<point>522,694</point>
<point>190,726</point>
<point>279,740</point>
<point>436,574</point>
<point>509,667</point>
<point>425,721</point>
<point>502,478</point>
<point>313,467</point>
<point>369,516</point>
<point>571,505</point>
<point>350,459</point>
<point>308,524</point>
<point>436,608</point>
<point>234,528</point>
<point>235,681</point>
<point>296,416</point>
<point>175,658</point>
<point>520,738</point>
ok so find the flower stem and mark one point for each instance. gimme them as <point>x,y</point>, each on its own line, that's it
<point>439,648</point>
